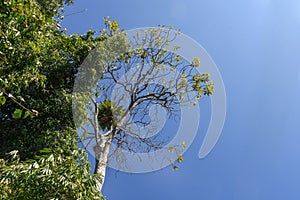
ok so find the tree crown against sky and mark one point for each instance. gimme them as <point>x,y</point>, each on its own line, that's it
<point>118,83</point>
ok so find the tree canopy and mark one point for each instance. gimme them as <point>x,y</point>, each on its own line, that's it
<point>119,82</point>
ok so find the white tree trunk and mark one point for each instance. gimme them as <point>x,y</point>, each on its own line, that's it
<point>101,155</point>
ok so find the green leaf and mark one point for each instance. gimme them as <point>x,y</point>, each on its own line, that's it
<point>46,150</point>
<point>17,114</point>
<point>27,113</point>
<point>2,100</point>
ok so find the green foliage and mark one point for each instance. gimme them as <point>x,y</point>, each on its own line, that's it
<point>113,26</point>
<point>202,85</point>
<point>2,100</point>
<point>38,63</point>
<point>61,172</point>
<point>177,149</point>
<point>108,113</point>
<point>37,66</point>
<point>17,114</point>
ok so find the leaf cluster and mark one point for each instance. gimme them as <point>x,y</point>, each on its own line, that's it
<point>57,173</point>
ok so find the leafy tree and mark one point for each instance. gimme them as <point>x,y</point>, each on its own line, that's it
<point>117,85</point>
<point>38,63</point>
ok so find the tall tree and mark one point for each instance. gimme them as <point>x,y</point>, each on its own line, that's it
<point>121,80</point>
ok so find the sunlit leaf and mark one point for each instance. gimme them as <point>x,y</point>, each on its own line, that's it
<point>17,114</point>
<point>26,114</point>
<point>2,100</point>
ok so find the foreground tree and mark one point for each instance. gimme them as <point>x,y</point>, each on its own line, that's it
<point>38,63</point>
<point>118,84</point>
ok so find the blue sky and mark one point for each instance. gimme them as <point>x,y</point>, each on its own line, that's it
<point>256,46</point>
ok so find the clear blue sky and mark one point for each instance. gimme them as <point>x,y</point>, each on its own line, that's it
<point>256,46</point>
